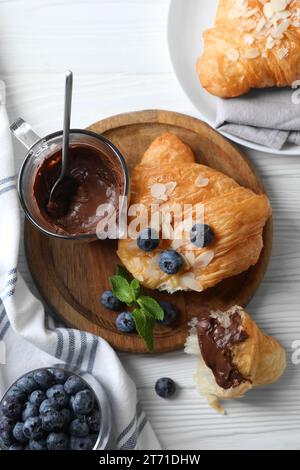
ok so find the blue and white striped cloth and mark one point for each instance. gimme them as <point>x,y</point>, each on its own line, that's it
<point>31,339</point>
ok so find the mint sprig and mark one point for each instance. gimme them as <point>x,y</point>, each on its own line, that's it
<point>146,309</point>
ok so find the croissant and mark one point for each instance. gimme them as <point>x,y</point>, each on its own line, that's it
<point>235,355</point>
<point>234,216</point>
<point>253,44</point>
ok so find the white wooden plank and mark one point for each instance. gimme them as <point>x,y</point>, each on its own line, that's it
<point>261,420</point>
<point>86,36</point>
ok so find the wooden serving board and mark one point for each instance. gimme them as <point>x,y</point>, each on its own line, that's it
<point>71,276</point>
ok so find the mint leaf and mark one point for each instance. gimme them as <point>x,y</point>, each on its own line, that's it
<point>151,306</point>
<point>136,288</point>
<point>122,290</point>
<point>144,324</point>
<point>121,271</point>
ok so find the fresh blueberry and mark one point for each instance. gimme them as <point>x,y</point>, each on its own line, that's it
<point>27,384</point>
<point>6,438</point>
<point>83,402</point>
<point>67,417</point>
<point>18,432</point>
<point>40,444</point>
<point>125,323</point>
<point>79,427</point>
<point>16,447</point>
<point>3,445</point>
<point>58,395</point>
<point>33,428</point>
<point>111,302</point>
<point>82,443</point>
<point>60,376</point>
<point>11,407</point>
<point>17,393</point>
<point>29,411</point>
<point>170,313</point>
<point>74,384</point>
<point>148,240</point>
<point>57,441</point>
<point>202,235</point>
<point>165,387</point>
<point>170,262</point>
<point>94,421</point>
<point>46,406</point>
<point>52,420</point>
<point>37,397</point>
<point>44,378</point>
<point>6,424</point>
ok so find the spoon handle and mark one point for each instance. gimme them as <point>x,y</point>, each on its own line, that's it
<point>67,119</point>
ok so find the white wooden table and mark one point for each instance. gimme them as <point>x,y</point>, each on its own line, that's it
<point>117,50</point>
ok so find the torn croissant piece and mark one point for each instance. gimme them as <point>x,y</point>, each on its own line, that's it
<point>168,175</point>
<point>235,355</point>
<point>253,44</point>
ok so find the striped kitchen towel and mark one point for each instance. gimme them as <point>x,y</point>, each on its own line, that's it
<point>30,339</point>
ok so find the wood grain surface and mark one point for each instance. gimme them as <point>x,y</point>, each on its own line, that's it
<point>71,276</point>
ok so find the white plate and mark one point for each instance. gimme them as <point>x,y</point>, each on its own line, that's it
<point>186,23</point>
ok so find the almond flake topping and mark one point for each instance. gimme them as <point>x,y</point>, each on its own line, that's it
<point>264,26</point>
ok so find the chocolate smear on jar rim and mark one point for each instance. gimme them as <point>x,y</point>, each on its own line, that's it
<point>217,335</point>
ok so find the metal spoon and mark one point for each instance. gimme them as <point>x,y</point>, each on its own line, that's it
<point>57,187</point>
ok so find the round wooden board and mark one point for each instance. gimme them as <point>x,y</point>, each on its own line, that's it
<point>72,276</point>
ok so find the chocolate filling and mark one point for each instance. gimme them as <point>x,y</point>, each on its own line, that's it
<point>216,343</point>
<point>92,179</point>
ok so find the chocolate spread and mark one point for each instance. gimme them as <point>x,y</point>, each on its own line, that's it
<point>216,343</point>
<point>91,179</point>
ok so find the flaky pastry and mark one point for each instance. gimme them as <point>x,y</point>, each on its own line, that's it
<point>168,175</point>
<point>235,355</point>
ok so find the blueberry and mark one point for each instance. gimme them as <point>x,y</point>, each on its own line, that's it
<point>94,421</point>
<point>6,424</point>
<point>16,447</point>
<point>6,438</point>
<point>79,427</point>
<point>66,414</point>
<point>60,376</point>
<point>57,441</point>
<point>3,445</point>
<point>40,444</point>
<point>165,387</point>
<point>148,240</point>
<point>83,402</point>
<point>27,384</point>
<point>29,410</point>
<point>11,407</point>
<point>82,443</point>
<point>74,384</point>
<point>58,395</point>
<point>47,405</point>
<point>33,428</point>
<point>52,420</point>
<point>125,323</point>
<point>170,261</point>
<point>18,432</point>
<point>202,235</point>
<point>37,397</point>
<point>44,378</point>
<point>111,302</point>
<point>170,313</point>
<point>17,393</point>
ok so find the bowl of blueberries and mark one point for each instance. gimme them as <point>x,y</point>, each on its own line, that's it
<point>55,409</point>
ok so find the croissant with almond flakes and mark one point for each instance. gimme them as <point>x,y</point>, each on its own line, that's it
<point>253,44</point>
<point>224,241</point>
<point>234,355</point>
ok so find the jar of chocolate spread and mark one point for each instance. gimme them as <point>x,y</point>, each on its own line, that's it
<point>97,175</point>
